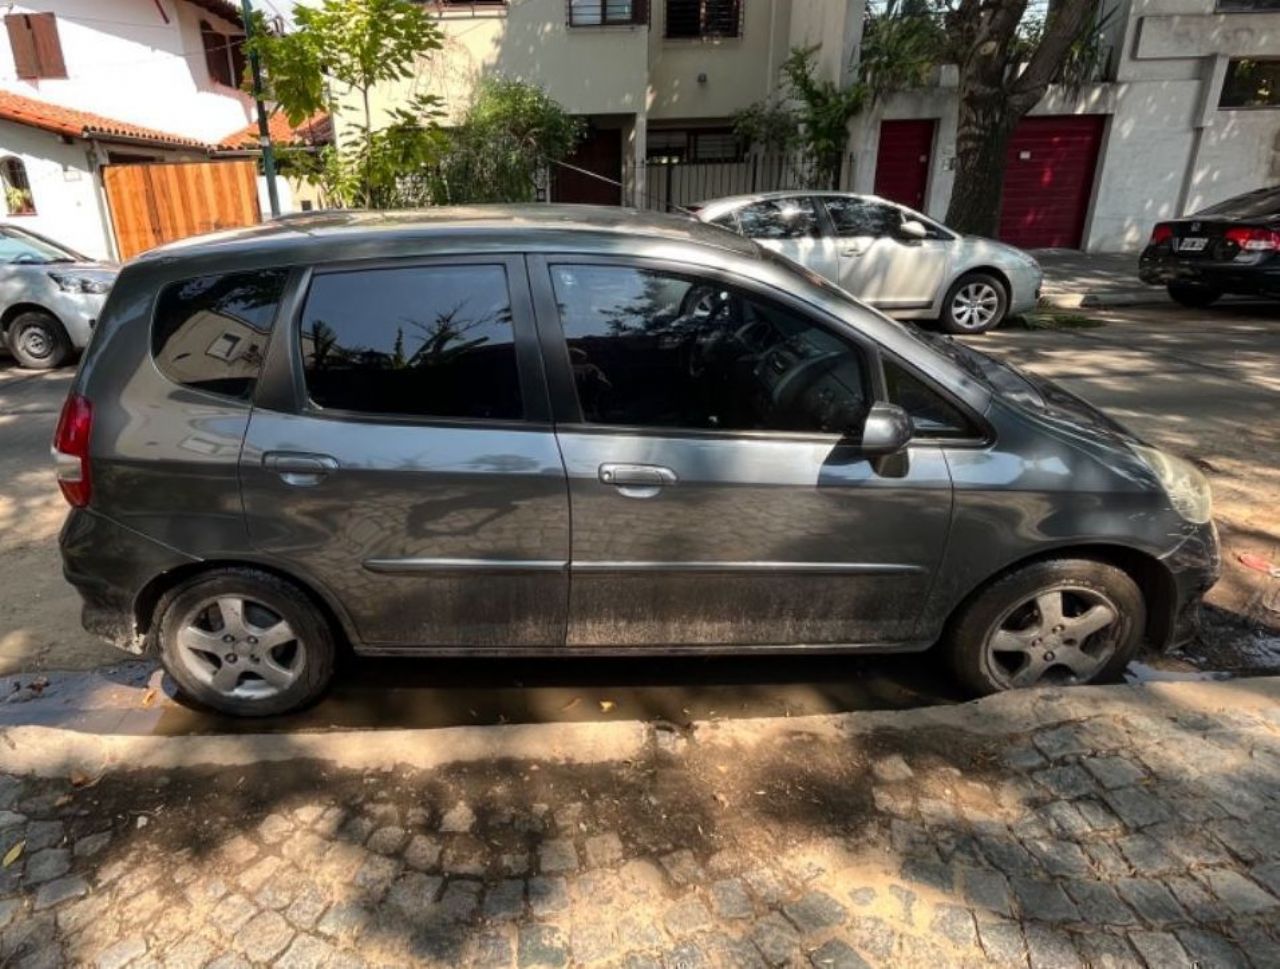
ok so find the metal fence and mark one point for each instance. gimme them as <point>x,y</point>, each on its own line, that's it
<point>673,184</point>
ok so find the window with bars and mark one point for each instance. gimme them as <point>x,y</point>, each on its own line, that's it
<point>37,51</point>
<point>606,13</point>
<point>671,146</point>
<point>704,18</point>
<point>470,6</point>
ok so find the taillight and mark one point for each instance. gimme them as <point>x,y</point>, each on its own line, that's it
<point>71,449</point>
<point>1254,239</point>
<point>1163,232</point>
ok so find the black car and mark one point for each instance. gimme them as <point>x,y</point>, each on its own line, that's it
<point>1231,247</point>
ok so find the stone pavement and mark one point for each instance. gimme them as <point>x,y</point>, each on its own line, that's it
<point>1112,826</point>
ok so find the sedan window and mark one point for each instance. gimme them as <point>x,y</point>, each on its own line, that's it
<point>1252,205</point>
<point>789,218</point>
<point>23,249</point>
<point>862,217</point>
<point>659,350</point>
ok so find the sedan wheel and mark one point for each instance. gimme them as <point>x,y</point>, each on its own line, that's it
<point>38,341</point>
<point>974,304</point>
<point>1060,636</point>
<point>240,648</point>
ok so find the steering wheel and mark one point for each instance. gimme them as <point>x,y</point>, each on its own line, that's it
<point>800,378</point>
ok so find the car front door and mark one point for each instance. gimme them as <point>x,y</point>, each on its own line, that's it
<point>401,457</point>
<point>880,265</point>
<point>791,226</point>
<point>715,496</point>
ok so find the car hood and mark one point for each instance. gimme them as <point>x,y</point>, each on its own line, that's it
<point>1000,253</point>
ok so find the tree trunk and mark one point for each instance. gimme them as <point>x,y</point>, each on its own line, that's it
<point>983,131</point>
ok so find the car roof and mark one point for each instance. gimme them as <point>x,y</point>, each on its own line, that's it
<point>733,201</point>
<point>576,227</point>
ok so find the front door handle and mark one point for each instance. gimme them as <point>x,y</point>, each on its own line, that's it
<point>637,480</point>
<point>297,468</point>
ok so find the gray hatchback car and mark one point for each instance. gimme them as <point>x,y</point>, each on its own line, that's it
<point>566,430</point>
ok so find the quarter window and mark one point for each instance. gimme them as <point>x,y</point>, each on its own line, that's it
<point>931,413</point>
<point>659,350</point>
<point>790,218</point>
<point>210,332</point>
<point>426,341</point>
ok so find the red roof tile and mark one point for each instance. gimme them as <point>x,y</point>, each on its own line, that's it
<point>222,8</point>
<point>83,124</point>
<point>316,130</point>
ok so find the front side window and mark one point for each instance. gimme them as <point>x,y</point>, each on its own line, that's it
<point>423,341</point>
<point>210,332</point>
<point>854,217</point>
<point>704,18</point>
<point>1251,83</point>
<point>661,350</point>
<point>789,218</point>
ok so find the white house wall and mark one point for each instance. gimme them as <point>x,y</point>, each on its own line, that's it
<point>123,61</point>
<point>63,188</point>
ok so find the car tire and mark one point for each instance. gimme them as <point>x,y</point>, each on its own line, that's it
<point>38,341</point>
<point>975,303</point>
<point>1009,635</point>
<point>237,659</point>
<point>1195,297</point>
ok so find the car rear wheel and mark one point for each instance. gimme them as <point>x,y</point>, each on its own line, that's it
<point>246,643</point>
<point>38,341</point>
<point>1060,622</point>
<point>1196,297</point>
<point>975,303</point>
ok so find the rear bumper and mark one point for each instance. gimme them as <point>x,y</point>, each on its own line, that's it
<point>1258,279</point>
<point>1195,564</point>
<point>111,565</point>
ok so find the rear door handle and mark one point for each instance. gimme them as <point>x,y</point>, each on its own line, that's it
<point>297,468</point>
<point>637,480</point>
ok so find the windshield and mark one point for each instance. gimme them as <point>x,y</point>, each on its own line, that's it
<point>24,248</point>
<point>1253,205</point>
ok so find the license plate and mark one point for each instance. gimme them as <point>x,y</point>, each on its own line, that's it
<point>1192,243</point>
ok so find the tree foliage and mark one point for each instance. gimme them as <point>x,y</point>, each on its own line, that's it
<point>338,52</point>
<point>503,144</point>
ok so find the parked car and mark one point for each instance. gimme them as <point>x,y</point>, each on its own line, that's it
<point>1231,247</point>
<point>889,256</point>
<point>564,430</point>
<point>50,298</point>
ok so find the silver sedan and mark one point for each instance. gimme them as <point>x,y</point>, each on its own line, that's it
<point>889,256</point>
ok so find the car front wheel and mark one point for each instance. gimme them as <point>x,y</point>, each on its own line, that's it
<point>975,303</point>
<point>1059,622</point>
<point>38,341</point>
<point>1196,297</point>
<point>246,643</point>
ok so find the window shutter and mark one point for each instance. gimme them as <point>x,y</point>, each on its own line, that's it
<point>23,43</point>
<point>44,30</point>
<point>215,54</point>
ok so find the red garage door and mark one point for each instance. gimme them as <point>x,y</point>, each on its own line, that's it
<point>902,161</point>
<point>1049,180</point>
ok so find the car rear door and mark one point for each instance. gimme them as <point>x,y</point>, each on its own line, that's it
<point>400,455</point>
<point>876,263</point>
<point>715,499</point>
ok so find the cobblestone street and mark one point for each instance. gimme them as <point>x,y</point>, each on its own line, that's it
<point>1106,827</point>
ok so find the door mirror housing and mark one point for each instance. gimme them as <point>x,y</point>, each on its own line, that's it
<point>913,230</point>
<point>887,429</point>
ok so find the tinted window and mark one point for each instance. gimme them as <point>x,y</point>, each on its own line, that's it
<point>210,332</point>
<point>727,221</point>
<point>861,217</point>
<point>426,341</point>
<point>650,349</point>
<point>931,413</point>
<point>1253,205</point>
<point>793,218</point>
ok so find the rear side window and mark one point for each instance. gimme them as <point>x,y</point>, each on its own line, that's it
<point>423,341</point>
<point>787,218</point>
<point>210,332</point>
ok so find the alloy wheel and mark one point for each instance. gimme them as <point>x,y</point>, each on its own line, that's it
<point>975,305</point>
<point>240,648</point>
<point>1062,635</point>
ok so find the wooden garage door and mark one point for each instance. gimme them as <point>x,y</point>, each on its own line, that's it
<point>902,161</point>
<point>156,203</point>
<point>1049,180</point>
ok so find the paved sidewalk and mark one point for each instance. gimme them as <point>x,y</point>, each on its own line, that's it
<point>1113,826</point>
<point>1075,279</point>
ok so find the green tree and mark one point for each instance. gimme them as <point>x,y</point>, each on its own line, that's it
<point>509,135</point>
<point>337,54</point>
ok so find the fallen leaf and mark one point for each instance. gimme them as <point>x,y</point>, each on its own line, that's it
<point>79,778</point>
<point>571,704</point>
<point>143,820</point>
<point>63,801</point>
<point>13,854</point>
<point>606,706</point>
<point>38,684</point>
<point>149,697</point>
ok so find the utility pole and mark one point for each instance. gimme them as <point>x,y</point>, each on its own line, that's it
<point>264,126</point>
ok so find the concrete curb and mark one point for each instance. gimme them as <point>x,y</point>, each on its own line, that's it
<point>50,751</point>
<point>1075,301</point>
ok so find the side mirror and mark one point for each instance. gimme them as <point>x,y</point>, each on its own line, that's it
<point>913,229</point>
<point>886,430</point>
